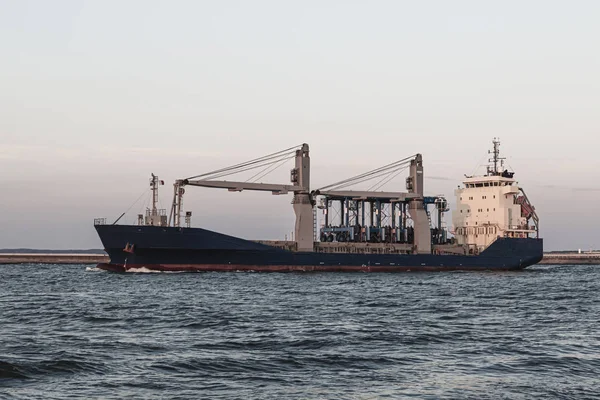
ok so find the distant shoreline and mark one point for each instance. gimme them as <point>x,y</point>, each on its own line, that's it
<point>47,251</point>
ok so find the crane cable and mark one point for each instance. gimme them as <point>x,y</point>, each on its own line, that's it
<point>366,179</point>
<point>275,165</point>
<point>264,160</point>
<point>370,174</point>
<point>386,180</point>
<point>261,164</point>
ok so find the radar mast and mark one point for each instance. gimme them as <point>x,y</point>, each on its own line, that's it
<point>492,170</point>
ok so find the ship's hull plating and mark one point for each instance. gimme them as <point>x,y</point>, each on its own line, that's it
<point>195,249</point>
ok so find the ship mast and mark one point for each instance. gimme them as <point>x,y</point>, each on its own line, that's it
<point>154,216</point>
<point>154,188</point>
<point>493,170</point>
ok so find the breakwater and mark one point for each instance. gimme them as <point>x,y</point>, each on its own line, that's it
<point>571,258</point>
<point>52,258</point>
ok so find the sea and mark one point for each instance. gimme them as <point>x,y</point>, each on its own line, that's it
<point>76,332</point>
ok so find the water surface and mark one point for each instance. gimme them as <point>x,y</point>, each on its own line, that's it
<point>77,332</point>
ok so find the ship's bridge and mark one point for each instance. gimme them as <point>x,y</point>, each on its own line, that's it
<point>491,206</point>
<point>488,181</point>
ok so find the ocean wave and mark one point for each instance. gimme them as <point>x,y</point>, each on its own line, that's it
<point>31,370</point>
<point>12,371</point>
<point>144,270</point>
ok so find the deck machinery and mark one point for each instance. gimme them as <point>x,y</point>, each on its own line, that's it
<point>370,219</point>
<point>400,222</point>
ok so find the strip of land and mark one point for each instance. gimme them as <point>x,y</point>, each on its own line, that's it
<point>52,258</point>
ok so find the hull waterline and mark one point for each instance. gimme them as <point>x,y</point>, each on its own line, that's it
<point>289,268</point>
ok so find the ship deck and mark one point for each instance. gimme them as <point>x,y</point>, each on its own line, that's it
<point>363,248</point>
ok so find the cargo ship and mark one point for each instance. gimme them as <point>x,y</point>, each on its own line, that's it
<point>339,229</point>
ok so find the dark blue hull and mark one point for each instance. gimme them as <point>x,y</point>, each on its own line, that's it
<point>196,249</point>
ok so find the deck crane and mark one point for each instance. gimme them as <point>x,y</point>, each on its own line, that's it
<point>412,200</point>
<point>300,187</point>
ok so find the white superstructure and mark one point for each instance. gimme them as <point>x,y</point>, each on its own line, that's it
<point>492,206</point>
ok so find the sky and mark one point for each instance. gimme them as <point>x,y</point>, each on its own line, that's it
<point>96,95</point>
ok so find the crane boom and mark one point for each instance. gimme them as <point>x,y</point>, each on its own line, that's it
<point>233,186</point>
<point>300,179</point>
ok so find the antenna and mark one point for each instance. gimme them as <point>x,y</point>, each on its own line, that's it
<point>493,170</point>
